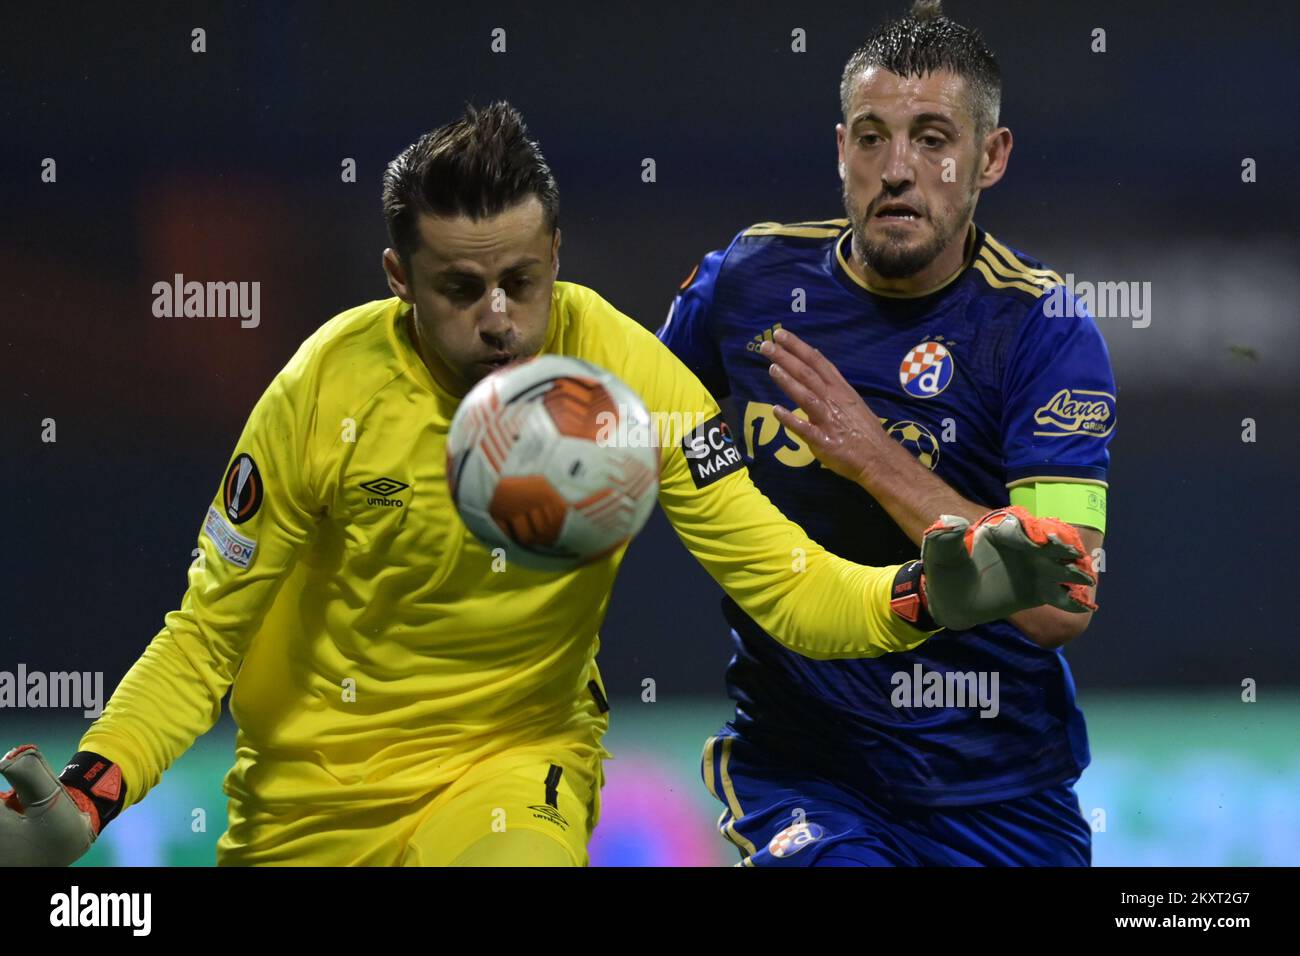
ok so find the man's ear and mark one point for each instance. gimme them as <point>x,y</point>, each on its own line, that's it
<point>395,272</point>
<point>555,254</point>
<point>994,157</point>
<point>839,147</point>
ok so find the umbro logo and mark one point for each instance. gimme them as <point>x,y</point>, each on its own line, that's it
<point>548,813</point>
<point>384,486</point>
<point>757,341</point>
<point>382,491</point>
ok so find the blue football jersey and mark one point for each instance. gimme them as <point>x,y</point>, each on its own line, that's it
<point>990,380</point>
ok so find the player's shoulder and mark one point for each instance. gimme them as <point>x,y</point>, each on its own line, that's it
<point>352,352</point>
<point>1022,302</point>
<point>589,327</point>
<point>801,233</point>
<point>1008,276</point>
<point>573,300</point>
<point>759,245</point>
<point>589,322</point>
<point>756,252</point>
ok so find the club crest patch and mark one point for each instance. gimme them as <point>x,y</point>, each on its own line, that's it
<point>794,838</point>
<point>926,370</point>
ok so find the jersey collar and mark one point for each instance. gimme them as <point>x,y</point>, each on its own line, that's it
<point>846,276</point>
<point>400,329</point>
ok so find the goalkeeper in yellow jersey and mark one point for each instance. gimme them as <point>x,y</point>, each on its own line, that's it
<point>397,701</point>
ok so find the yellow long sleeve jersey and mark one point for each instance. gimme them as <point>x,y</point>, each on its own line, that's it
<point>375,653</point>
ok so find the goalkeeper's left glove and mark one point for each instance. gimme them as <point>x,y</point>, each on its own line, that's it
<point>51,821</point>
<point>1005,562</point>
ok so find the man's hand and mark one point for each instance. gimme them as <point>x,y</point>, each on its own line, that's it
<point>1006,562</point>
<point>841,430</point>
<point>43,822</point>
<point>846,436</point>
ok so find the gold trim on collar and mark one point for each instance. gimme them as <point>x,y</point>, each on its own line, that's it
<point>967,256</point>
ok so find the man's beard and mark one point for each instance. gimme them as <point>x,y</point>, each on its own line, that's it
<point>899,259</point>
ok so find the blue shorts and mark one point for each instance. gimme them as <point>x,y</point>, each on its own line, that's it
<point>778,816</point>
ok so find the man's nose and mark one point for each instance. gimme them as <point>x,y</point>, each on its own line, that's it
<point>494,316</point>
<point>899,164</point>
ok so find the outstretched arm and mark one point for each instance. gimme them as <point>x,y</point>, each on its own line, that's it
<point>810,600</point>
<point>262,513</point>
<point>846,436</point>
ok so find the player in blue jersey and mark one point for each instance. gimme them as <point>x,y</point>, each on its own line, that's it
<point>936,371</point>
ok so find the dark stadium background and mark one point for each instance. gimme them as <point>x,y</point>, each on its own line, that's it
<point>226,166</point>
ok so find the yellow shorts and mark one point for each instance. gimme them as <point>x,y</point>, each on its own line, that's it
<point>554,792</point>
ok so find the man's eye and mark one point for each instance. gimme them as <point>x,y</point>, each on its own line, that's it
<point>869,139</point>
<point>931,142</point>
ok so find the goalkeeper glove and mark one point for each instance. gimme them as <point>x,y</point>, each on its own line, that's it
<point>51,821</point>
<point>1005,562</point>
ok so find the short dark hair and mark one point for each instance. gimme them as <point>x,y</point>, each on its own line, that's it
<point>925,41</point>
<point>477,166</point>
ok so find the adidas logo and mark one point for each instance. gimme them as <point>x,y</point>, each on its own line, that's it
<point>765,336</point>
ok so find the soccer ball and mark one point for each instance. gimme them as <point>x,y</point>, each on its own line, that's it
<point>550,460</point>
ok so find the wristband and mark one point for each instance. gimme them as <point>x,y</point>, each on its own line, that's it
<point>907,597</point>
<point>96,786</point>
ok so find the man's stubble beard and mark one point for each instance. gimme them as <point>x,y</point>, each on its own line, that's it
<point>892,260</point>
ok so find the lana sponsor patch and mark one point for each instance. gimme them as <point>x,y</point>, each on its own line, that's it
<point>1077,412</point>
<point>232,545</point>
<point>711,452</point>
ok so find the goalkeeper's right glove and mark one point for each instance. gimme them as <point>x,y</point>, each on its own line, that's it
<point>52,821</point>
<point>1005,562</point>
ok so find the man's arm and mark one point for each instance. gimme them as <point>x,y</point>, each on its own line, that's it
<point>262,513</point>
<point>915,497</point>
<point>808,599</point>
<point>846,436</point>
<point>765,562</point>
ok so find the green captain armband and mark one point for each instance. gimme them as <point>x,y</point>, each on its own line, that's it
<point>1071,501</point>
